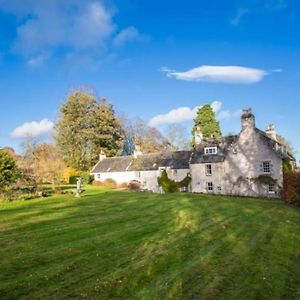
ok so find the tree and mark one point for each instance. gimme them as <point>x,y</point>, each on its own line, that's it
<point>137,132</point>
<point>284,142</point>
<point>108,134</point>
<point>177,135</point>
<point>26,161</point>
<point>206,120</point>
<point>9,172</point>
<point>85,127</point>
<point>48,165</point>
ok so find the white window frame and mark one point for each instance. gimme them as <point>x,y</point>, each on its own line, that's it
<point>271,188</point>
<point>209,187</point>
<point>98,175</point>
<point>210,150</point>
<point>208,169</point>
<point>266,167</point>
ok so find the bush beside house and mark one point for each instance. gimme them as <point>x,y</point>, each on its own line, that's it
<point>291,188</point>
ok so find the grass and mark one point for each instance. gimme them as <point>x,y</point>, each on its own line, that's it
<point>122,245</point>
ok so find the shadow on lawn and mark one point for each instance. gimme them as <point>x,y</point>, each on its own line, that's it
<point>156,246</point>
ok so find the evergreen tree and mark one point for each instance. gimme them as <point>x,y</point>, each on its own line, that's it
<point>85,127</point>
<point>9,172</point>
<point>206,120</point>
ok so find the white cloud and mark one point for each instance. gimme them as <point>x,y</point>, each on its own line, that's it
<point>37,61</point>
<point>216,106</point>
<point>125,35</point>
<point>176,115</point>
<point>33,129</point>
<point>227,114</point>
<point>180,114</point>
<point>224,74</point>
<point>238,16</point>
<point>56,23</point>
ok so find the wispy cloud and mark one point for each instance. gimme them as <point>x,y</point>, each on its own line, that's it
<point>223,74</point>
<point>36,61</point>
<point>185,113</point>
<point>240,12</point>
<point>125,35</point>
<point>32,129</point>
<point>256,7</point>
<point>75,26</point>
<point>227,114</point>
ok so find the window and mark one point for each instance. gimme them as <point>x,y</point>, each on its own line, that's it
<point>98,176</point>
<point>184,189</point>
<point>266,167</point>
<point>210,187</point>
<point>175,172</point>
<point>219,189</point>
<point>271,188</point>
<point>208,170</point>
<point>210,150</point>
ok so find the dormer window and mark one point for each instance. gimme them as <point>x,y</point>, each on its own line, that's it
<point>210,150</point>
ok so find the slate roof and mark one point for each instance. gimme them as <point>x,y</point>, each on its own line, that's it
<point>144,162</point>
<point>223,144</point>
<point>113,164</point>
<point>181,159</point>
<point>152,161</point>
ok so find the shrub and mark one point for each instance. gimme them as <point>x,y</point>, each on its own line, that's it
<point>171,186</point>
<point>9,172</point>
<point>124,185</point>
<point>86,178</point>
<point>69,172</point>
<point>291,188</point>
<point>134,185</point>
<point>107,183</point>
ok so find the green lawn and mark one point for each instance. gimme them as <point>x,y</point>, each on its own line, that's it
<point>122,245</point>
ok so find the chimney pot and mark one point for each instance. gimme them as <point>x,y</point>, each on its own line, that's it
<point>137,151</point>
<point>271,132</point>
<point>102,155</point>
<point>198,135</point>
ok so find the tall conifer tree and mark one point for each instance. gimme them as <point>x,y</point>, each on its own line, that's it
<point>206,120</point>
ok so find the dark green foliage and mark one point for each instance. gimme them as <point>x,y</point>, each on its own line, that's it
<point>286,166</point>
<point>129,245</point>
<point>206,120</point>
<point>87,126</point>
<point>9,172</point>
<point>86,178</point>
<point>171,186</point>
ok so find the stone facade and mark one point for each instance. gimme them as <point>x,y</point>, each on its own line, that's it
<point>248,164</point>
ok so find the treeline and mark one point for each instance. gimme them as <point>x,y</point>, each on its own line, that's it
<point>85,127</point>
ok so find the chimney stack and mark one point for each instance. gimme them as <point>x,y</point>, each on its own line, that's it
<point>248,119</point>
<point>102,155</point>
<point>198,136</point>
<point>271,132</point>
<point>137,151</point>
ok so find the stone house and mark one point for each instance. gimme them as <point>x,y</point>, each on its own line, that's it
<point>248,164</point>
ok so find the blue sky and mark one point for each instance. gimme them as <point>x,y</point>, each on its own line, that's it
<point>151,58</point>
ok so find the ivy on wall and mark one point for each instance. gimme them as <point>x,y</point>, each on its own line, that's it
<point>171,186</point>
